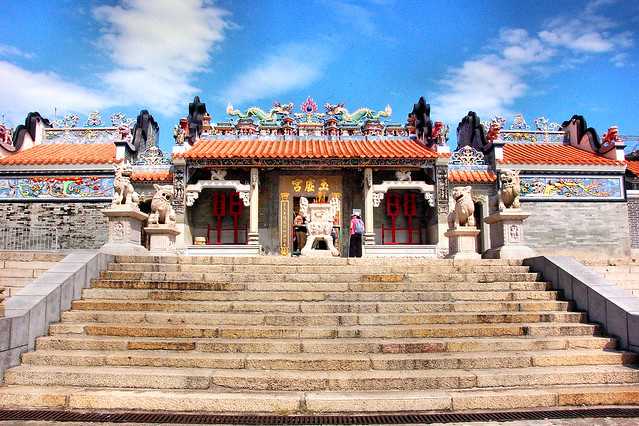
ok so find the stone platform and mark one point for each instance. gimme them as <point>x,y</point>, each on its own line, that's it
<point>282,335</point>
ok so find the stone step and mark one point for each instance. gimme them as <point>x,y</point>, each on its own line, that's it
<point>324,261</point>
<point>317,297</point>
<point>361,345</point>
<point>319,319</point>
<point>237,277</point>
<point>15,282</point>
<point>282,286</point>
<point>318,362</point>
<point>77,398</point>
<point>21,273</point>
<point>314,269</point>
<point>40,265</point>
<point>326,332</point>
<point>296,380</point>
<point>316,307</point>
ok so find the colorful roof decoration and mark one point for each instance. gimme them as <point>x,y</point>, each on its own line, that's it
<point>471,176</point>
<point>151,176</point>
<point>361,148</point>
<point>63,154</point>
<point>516,153</point>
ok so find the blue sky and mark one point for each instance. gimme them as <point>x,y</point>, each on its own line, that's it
<point>552,58</point>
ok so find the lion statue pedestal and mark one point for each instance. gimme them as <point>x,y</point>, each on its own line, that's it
<point>124,216</point>
<point>507,235</point>
<point>125,231</point>
<point>161,228</point>
<point>507,229</point>
<point>462,232</point>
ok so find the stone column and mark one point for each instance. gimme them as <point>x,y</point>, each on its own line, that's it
<point>179,177</point>
<point>508,230</point>
<point>441,178</point>
<point>254,235</point>
<point>369,235</point>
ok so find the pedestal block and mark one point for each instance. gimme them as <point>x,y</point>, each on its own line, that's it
<point>162,238</point>
<point>462,243</point>
<point>507,235</point>
<point>125,231</point>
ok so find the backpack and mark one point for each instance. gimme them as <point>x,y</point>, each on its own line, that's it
<point>359,226</point>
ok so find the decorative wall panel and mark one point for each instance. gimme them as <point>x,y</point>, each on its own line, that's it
<point>56,188</point>
<point>544,187</point>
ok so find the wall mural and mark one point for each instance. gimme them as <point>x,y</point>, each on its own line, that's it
<point>56,187</point>
<point>544,187</point>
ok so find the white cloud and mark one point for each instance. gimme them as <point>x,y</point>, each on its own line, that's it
<point>157,48</point>
<point>489,84</point>
<point>590,32</point>
<point>6,50</point>
<point>291,67</point>
<point>22,91</point>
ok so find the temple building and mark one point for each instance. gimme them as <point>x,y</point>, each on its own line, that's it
<point>239,183</point>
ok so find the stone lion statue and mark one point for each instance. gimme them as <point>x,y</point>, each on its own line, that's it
<point>510,189</point>
<point>162,212</point>
<point>463,213</point>
<point>123,193</point>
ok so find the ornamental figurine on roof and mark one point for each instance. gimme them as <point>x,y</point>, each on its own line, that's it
<point>425,131</point>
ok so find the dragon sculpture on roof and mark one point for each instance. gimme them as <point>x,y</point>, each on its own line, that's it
<point>277,111</point>
<point>338,110</point>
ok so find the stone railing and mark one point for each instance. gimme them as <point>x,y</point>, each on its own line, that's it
<point>614,308</point>
<point>41,302</point>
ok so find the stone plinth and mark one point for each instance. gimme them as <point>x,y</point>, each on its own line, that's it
<point>462,243</point>
<point>507,235</point>
<point>161,238</point>
<point>125,231</point>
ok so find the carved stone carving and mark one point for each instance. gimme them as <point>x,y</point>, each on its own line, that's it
<point>463,214</point>
<point>162,212</point>
<point>319,227</point>
<point>510,190</point>
<point>442,190</point>
<point>178,190</point>
<point>218,174</point>
<point>123,193</point>
<point>403,175</point>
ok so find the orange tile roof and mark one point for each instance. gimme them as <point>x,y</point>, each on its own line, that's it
<point>471,176</point>
<point>152,176</point>
<point>63,154</point>
<point>308,148</point>
<point>553,154</point>
<point>633,167</point>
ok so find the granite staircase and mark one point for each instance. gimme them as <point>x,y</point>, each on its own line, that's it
<point>282,335</point>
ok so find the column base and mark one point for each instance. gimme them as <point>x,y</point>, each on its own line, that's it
<point>253,239</point>
<point>125,231</point>
<point>463,243</point>
<point>508,231</point>
<point>369,239</point>
<point>162,239</point>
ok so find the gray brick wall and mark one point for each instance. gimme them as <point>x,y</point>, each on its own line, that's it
<point>582,229</point>
<point>633,218</point>
<point>79,225</point>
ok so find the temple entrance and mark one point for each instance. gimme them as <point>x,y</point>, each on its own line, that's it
<point>316,189</point>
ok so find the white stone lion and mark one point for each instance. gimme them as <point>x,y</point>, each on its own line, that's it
<point>510,190</point>
<point>463,213</point>
<point>123,192</point>
<point>162,212</point>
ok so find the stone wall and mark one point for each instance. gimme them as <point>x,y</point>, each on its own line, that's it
<point>79,225</point>
<point>633,218</point>
<point>580,229</point>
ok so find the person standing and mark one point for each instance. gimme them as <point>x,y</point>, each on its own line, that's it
<point>356,231</point>
<point>299,225</point>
